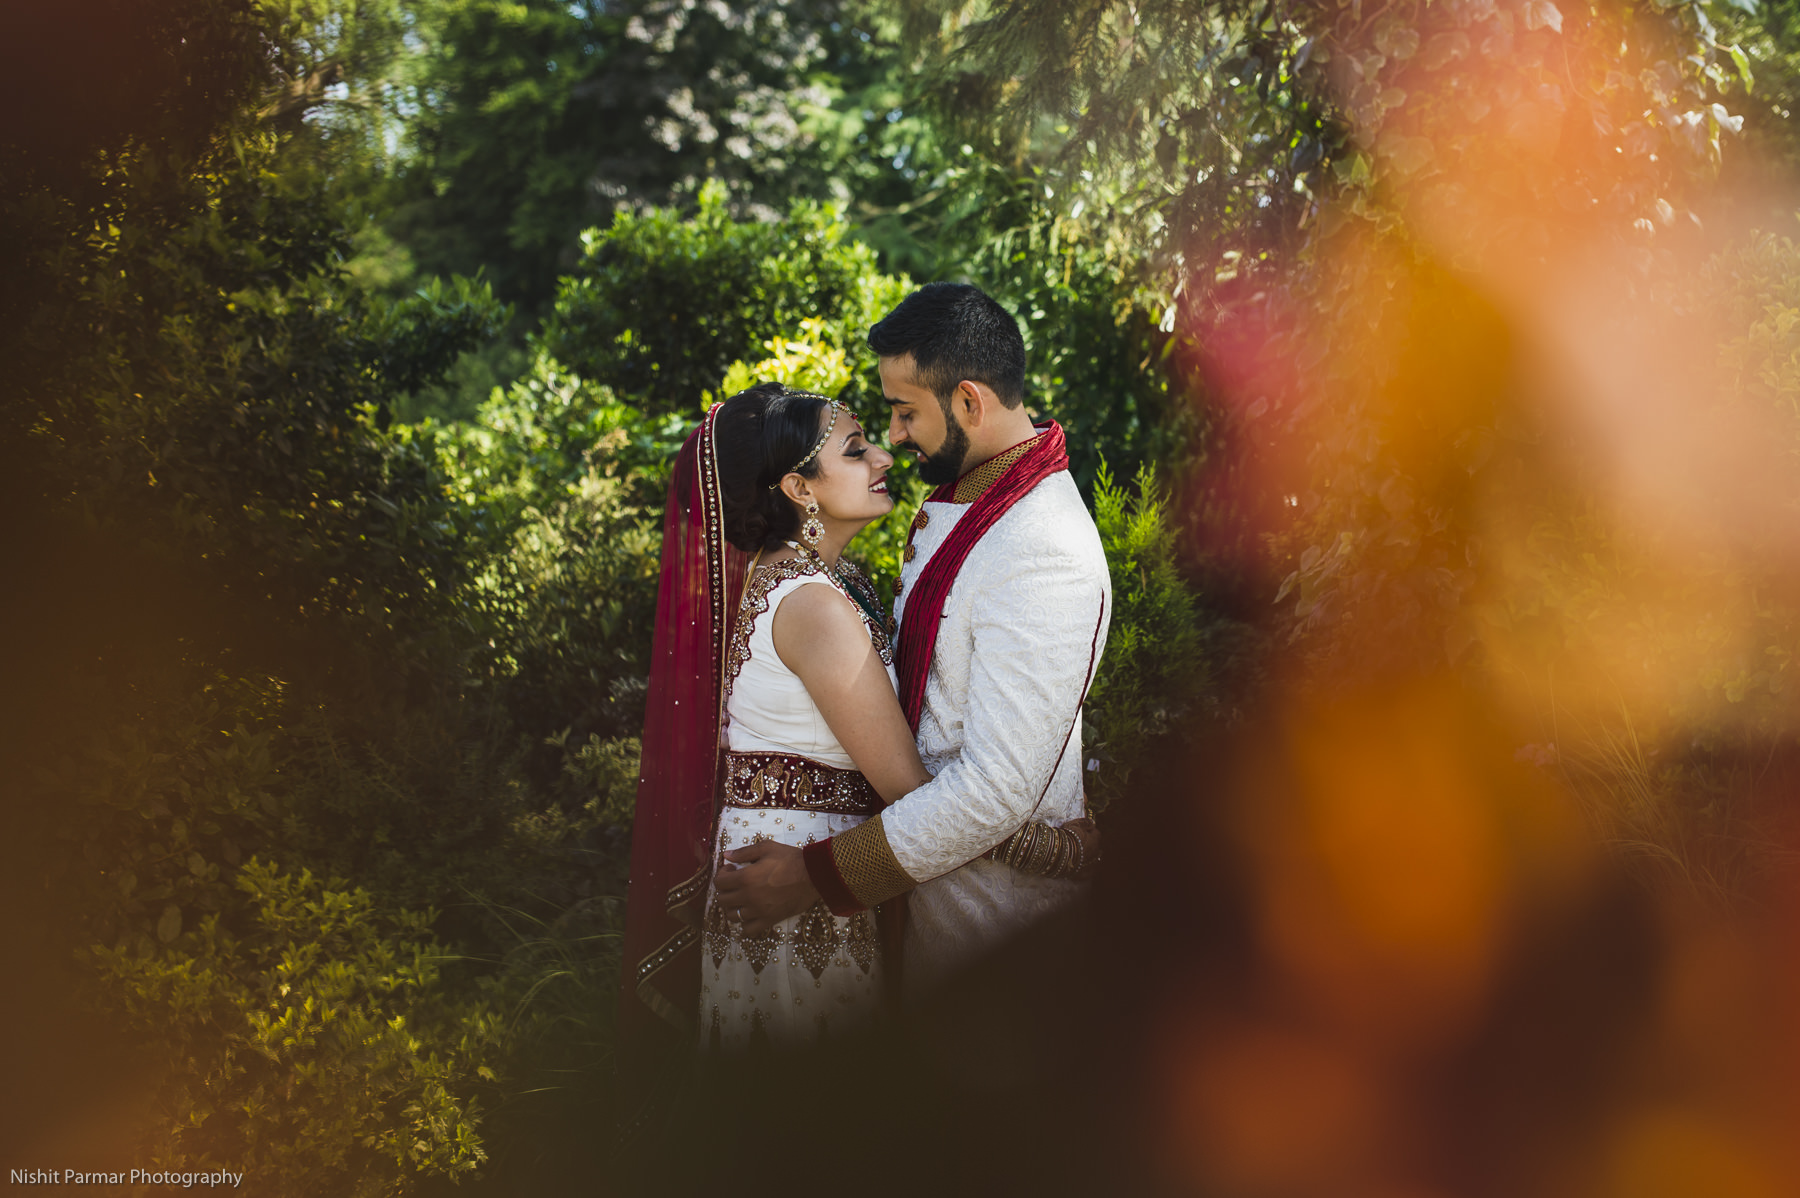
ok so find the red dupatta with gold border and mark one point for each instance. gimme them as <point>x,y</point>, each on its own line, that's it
<point>678,778</point>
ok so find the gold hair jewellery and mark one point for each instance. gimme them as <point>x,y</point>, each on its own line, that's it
<point>836,410</point>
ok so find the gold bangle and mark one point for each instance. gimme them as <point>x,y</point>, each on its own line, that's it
<point>1010,849</point>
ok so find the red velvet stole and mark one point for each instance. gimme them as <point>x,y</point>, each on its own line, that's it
<point>925,603</point>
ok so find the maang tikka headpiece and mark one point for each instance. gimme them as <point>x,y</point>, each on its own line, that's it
<point>836,410</point>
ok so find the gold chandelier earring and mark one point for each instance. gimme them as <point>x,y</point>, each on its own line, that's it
<point>812,532</point>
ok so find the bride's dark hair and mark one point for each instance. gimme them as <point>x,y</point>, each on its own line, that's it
<point>759,434</point>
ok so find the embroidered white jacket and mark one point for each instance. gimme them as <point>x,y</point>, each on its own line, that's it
<point>1022,627</point>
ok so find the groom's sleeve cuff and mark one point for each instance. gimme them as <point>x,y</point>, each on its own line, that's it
<point>855,870</point>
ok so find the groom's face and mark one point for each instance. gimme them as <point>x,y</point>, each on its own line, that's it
<point>922,424</point>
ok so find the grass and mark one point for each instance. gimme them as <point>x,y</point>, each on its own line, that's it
<point>1702,818</point>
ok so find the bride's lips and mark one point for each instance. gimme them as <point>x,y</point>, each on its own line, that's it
<point>880,487</point>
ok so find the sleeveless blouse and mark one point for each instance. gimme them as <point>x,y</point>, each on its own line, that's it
<point>769,709</point>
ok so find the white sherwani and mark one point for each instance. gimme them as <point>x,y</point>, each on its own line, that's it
<point>1014,653</point>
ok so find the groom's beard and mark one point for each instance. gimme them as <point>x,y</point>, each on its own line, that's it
<point>946,465</point>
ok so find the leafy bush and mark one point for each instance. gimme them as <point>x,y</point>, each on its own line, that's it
<point>660,306</point>
<point>174,785</point>
<point>200,381</point>
<point>249,644</point>
<point>313,1043</point>
<point>560,488</point>
<point>543,118</point>
<point>1166,654</point>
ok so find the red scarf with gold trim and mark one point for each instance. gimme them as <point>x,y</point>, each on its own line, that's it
<point>925,604</point>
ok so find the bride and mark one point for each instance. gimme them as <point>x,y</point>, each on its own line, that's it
<point>772,716</point>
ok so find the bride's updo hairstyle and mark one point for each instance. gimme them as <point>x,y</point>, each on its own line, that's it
<point>759,434</point>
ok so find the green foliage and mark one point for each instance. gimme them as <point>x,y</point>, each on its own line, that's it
<point>429,797</point>
<point>808,362</point>
<point>1764,42</point>
<point>1215,135</point>
<point>118,81</point>
<point>571,600</point>
<point>199,378</point>
<point>539,119</point>
<point>607,772</point>
<point>1295,179</point>
<point>251,637</point>
<point>560,489</point>
<point>660,306</point>
<point>174,785</point>
<point>313,1042</point>
<point>348,69</point>
<point>1165,652</point>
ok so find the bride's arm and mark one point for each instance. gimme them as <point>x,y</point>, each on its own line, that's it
<point>820,637</point>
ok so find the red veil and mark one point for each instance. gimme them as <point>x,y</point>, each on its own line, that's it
<point>671,850</point>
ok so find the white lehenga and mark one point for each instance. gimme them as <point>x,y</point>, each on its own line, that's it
<point>787,779</point>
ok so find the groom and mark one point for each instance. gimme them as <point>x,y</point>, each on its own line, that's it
<point>1003,601</point>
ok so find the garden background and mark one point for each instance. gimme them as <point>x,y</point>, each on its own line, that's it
<point>1432,369</point>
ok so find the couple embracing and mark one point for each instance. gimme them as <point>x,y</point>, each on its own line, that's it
<point>830,789</point>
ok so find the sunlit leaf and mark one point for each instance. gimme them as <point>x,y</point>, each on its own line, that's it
<point>1742,62</point>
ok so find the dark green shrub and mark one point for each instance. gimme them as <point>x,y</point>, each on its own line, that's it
<point>311,1040</point>
<point>142,814</point>
<point>1166,654</point>
<point>561,487</point>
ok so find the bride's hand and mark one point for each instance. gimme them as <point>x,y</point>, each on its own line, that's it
<point>769,885</point>
<point>1088,833</point>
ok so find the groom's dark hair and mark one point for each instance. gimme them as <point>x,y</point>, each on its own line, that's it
<point>954,332</point>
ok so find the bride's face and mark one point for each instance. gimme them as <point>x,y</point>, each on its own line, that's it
<point>851,486</point>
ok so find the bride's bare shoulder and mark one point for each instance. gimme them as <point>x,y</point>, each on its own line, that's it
<point>816,618</point>
<point>817,606</point>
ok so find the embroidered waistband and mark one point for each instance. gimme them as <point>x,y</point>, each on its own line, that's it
<point>784,780</point>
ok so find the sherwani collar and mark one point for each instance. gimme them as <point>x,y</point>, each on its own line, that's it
<point>972,485</point>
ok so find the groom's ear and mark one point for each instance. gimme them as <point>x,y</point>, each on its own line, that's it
<point>970,403</point>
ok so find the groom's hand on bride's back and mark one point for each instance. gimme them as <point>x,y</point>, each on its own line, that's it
<point>769,885</point>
